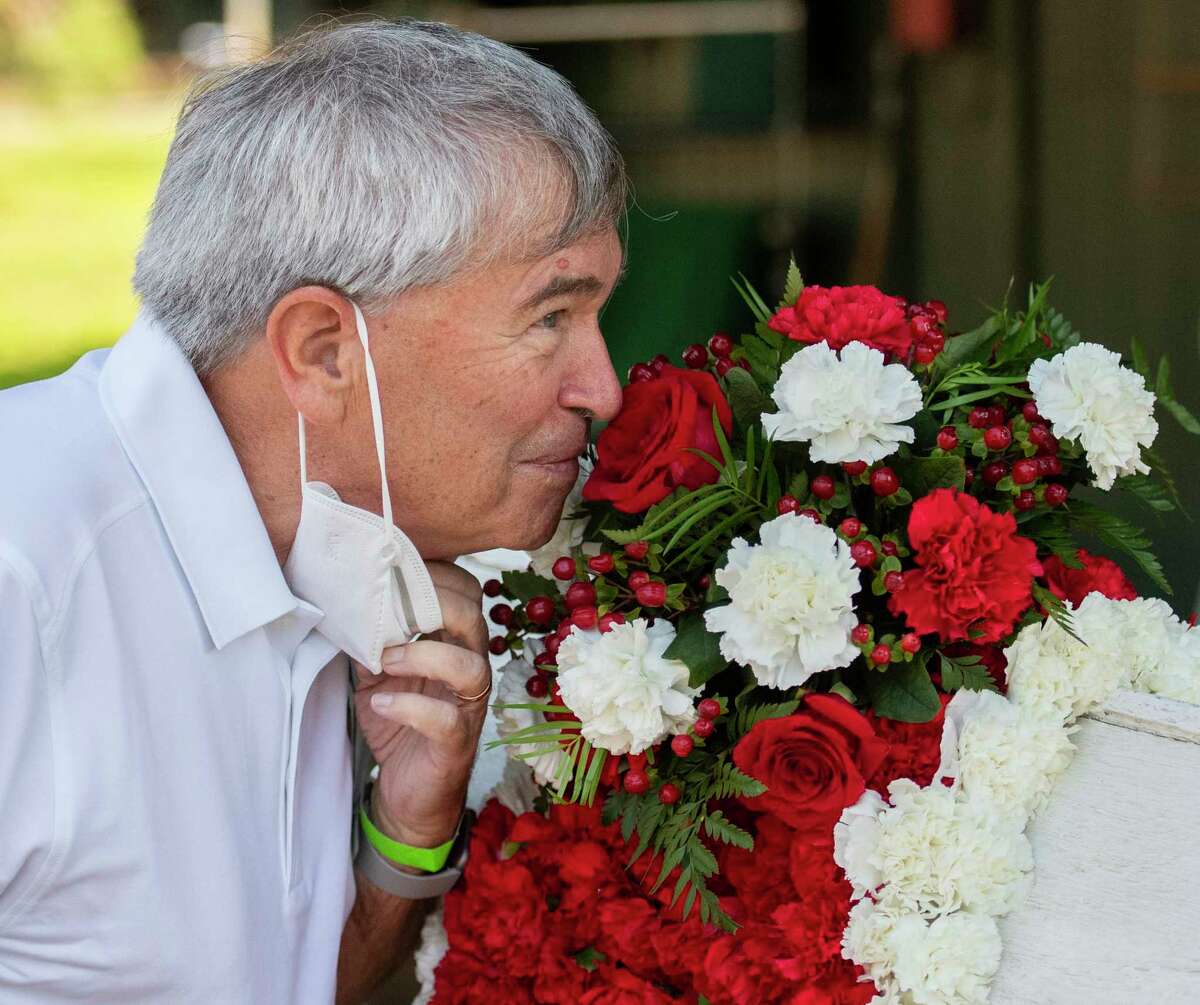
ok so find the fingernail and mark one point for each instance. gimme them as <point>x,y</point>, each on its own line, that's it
<point>393,655</point>
<point>381,701</point>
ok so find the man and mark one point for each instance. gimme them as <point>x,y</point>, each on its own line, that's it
<point>403,235</point>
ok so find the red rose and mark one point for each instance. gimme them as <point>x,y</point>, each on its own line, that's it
<point>643,455</point>
<point>842,314</point>
<point>975,573</point>
<point>1098,575</point>
<point>814,763</point>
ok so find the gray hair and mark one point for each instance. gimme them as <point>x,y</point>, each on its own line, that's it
<point>371,158</point>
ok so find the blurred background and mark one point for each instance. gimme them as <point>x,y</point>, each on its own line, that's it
<point>937,148</point>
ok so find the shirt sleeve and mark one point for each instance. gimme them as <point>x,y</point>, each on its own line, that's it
<point>26,754</point>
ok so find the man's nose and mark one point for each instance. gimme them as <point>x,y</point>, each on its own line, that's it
<point>592,384</point>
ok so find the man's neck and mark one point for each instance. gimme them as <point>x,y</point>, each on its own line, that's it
<point>261,427</point>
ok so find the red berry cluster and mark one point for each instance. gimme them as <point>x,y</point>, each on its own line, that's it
<point>717,355</point>
<point>928,322</point>
<point>1016,453</point>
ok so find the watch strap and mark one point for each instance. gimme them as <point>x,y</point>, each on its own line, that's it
<point>393,879</point>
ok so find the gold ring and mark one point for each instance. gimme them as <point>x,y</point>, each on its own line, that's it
<point>474,697</point>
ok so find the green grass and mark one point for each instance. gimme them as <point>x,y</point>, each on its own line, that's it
<point>75,186</point>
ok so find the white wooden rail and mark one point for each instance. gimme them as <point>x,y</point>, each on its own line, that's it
<point>1114,914</point>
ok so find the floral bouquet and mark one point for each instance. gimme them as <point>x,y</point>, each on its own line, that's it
<point>804,658</point>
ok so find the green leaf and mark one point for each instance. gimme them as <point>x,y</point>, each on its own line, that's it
<point>716,826</point>
<point>715,593</point>
<point>749,294</point>
<point>1149,490</point>
<point>724,527</point>
<point>1162,384</point>
<point>697,648</point>
<point>966,399</point>
<point>1018,341</point>
<point>745,397</point>
<point>710,506</point>
<point>1050,532</point>
<point>1182,415</point>
<point>921,475</point>
<point>727,781</point>
<point>1062,335</point>
<point>794,285</point>
<point>613,807</point>
<point>673,512</point>
<point>970,347</point>
<point>1059,613</point>
<point>524,586</point>
<point>749,716</point>
<point>903,692</point>
<point>1160,468</point>
<point>763,360</point>
<point>1121,535</point>
<point>798,486</point>
<point>967,673</point>
<point>590,958</point>
<point>1140,362</point>
<point>723,443</point>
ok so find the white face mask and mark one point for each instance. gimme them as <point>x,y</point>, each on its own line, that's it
<point>360,570</point>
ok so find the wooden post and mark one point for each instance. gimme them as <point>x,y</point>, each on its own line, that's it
<point>247,28</point>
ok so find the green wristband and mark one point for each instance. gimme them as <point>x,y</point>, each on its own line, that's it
<point>425,859</point>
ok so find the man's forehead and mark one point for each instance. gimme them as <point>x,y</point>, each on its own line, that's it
<point>586,267</point>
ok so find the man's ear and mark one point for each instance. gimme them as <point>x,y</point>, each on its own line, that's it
<point>318,356</point>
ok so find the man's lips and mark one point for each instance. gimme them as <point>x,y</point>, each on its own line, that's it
<point>561,463</point>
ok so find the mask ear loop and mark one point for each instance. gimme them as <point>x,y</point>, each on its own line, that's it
<point>376,421</point>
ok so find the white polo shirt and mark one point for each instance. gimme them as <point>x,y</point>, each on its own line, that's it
<point>175,779</point>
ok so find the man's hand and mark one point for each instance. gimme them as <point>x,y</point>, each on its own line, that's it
<point>423,737</point>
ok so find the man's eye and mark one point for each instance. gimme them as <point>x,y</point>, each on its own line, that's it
<point>550,320</point>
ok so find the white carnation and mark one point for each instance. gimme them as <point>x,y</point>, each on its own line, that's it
<point>1160,653</point>
<point>855,838</point>
<point>848,407</point>
<point>1055,676</point>
<point>568,535</point>
<point>626,694</point>
<point>434,945</point>
<point>545,760</point>
<point>790,610</point>
<point>867,941</point>
<point>1007,762</point>
<point>1088,396</point>
<point>949,961</point>
<point>938,855</point>
<point>516,790</point>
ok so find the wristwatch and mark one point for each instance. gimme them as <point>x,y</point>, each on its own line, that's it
<point>383,861</point>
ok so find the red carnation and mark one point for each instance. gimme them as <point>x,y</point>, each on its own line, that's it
<point>627,927</point>
<point>644,454</point>
<point>974,574</point>
<point>915,749</point>
<point>814,763</point>
<point>615,986</point>
<point>1098,575</point>
<point>842,314</point>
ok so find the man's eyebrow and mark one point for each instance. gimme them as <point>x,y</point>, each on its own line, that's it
<point>562,286</point>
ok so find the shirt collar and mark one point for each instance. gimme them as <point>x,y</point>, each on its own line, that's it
<point>179,449</point>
